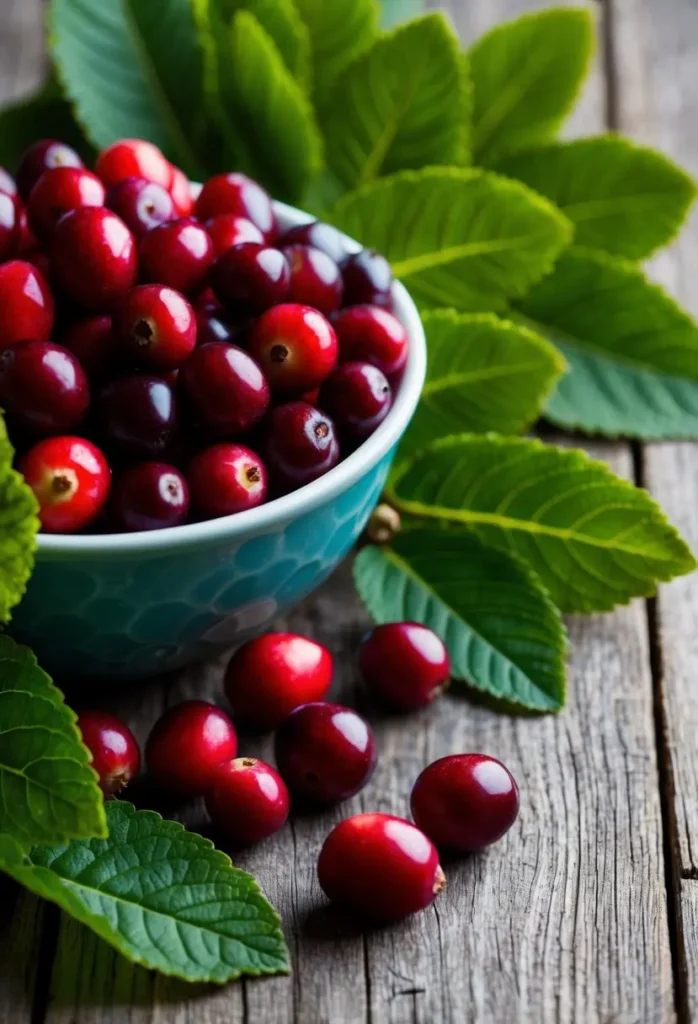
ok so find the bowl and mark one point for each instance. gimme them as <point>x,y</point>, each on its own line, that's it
<point>133,605</point>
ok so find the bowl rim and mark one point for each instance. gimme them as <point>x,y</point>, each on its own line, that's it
<point>281,510</point>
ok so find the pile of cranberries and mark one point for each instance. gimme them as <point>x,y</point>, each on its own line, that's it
<point>378,865</point>
<point>165,359</point>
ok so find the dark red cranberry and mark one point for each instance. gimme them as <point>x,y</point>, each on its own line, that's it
<point>237,194</point>
<point>270,676</point>
<point>224,388</point>
<point>40,259</point>
<point>43,156</point>
<point>251,277</point>
<point>180,190</point>
<point>379,867</point>
<point>225,479</point>
<point>115,754</point>
<point>7,183</point>
<point>301,445</point>
<point>149,496</point>
<point>247,800</point>
<point>138,416</point>
<point>325,752</point>
<point>465,802</point>
<point>43,388</point>
<point>227,230</point>
<point>70,479</point>
<point>187,745</point>
<point>58,191</point>
<point>92,342</point>
<point>295,346</point>
<point>213,323</point>
<point>358,398</point>
<point>93,258</point>
<point>315,278</point>
<point>10,229</point>
<point>133,158</point>
<point>320,236</point>
<point>28,242</point>
<point>368,280</point>
<point>156,327</point>
<point>372,335</point>
<point>26,303</point>
<point>405,663</point>
<point>179,254</point>
<point>141,204</point>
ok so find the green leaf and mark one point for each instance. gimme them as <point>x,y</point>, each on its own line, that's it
<point>527,75</point>
<point>403,104</point>
<point>457,237</point>
<point>19,525</point>
<point>281,21</point>
<point>48,791</point>
<point>632,351</point>
<point>623,198</point>
<point>594,539</point>
<point>45,114</point>
<point>482,374</point>
<point>503,633</point>
<point>163,897</point>
<point>339,31</point>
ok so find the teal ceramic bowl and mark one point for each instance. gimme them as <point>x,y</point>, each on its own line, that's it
<point>132,605</point>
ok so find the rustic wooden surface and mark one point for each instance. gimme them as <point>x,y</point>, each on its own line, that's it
<point>588,910</point>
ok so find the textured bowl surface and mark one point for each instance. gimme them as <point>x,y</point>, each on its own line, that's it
<point>138,604</point>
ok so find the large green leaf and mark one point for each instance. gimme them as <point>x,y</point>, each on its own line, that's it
<point>339,31</point>
<point>623,198</point>
<point>457,237</point>
<point>503,633</point>
<point>48,792</point>
<point>594,539</point>
<point>19,524</point>
<point>163,897</point>
<point>527,74</point>
<point>403,104</point>
<point>281,20</point>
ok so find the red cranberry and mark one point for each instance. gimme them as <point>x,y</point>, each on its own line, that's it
<point>10,227</point>
<point>320,236</point>
<point>7,183</point>
<point>133,158</point>
<point>224,388</point>
<point>59,191</point>
<point>251,277</point>
<point>372,335</point>
<point>138,416</point>
<point>93,258</point>
<point>368,280</point>
<point>43,388</point>
<point>237,194</point>
<point>70,479</point>
<point>180,190</point>
<point>187,745</point>
<point>156,327</point>
<point>43,156</point>
<point>141,204</point>
<point>40,259</point>
<point>315,278</point>
<point>406,663</point>
<point>92,342</point>
<point>295,346</point>
<point>178,254</point>
<point>213,323</point>
<point>247,800</point>
<point>149,496</point>
<point>270,676</point>
<point>358,398</point>
<point>225,479</point>
<point>325,752</point>
<point>115,754</point>
<point>379,867</point>
<point>28,242</point>
<point>301,445</point>
<point>227,230</point>
<point>465,802</point>
<point>26,303</point>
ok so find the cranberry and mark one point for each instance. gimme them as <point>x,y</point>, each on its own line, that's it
<point>251,277</point>
<point>187,745</point>
<point>465,802</point>
<point>10,229</point>
<point>325,752</point>
<point>225,479</point>
<point>149,496</point>
<point>58,191</point>
<point>156,327</point>
<point>131,158</point>
<point>301,445</point>
<point>270,676</point>
<point>213,323</point>
<point>43,388</point>
<point>7,183</point>
<point>358,398</point>
<point>180,190</point>
<point>178,254</point>
<point>237,194</point>
<point>247,800</point>
<point>93,258</point>
<point>138,415</point>
<point>379,867</point>
<point>28,242</point>
<point>115,754</point>
<point>315,278</point>
<point>295,346</point>
<point>321,236</point>
<point>141,204</point>
<point>26,304</point>
<point>92,342</point>
<point>405,662</point>
<point>368,280</point>
<point>224,388</point>
<point>372,335</point>
<point>70,479</point>
<point>43,156</point>
<point>227,230</point>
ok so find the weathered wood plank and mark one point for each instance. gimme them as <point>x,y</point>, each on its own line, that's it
<point>688,949</point>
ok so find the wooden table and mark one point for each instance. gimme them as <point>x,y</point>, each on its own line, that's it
<point>588,910</point>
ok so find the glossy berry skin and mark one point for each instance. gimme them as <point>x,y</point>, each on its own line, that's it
<point>358,398</point>
<point>464,802</point>
<point>93,258</point>
<point>70,479</point>
<point>316,279</point>
<point>251,277</point>
<point>92,342</point>
<point>7,183</point>
<point>372,335</point>
<point>149,496</point>
<point>10,228</point>
<point>156,327</point>
<point>325,752</point>
<point>133,158</point>
<point>213,323</point>
<point>187,745</point>
<point>179,254</point>
<point>44,155</point>
<point>271,675</point>
<point>247,800</point>
<point>368,280</point>
<point>320,236</point>
<point>301,445</point>
<point>237,194</point>
<point>379,867</point>
<point>26,303</point>
<point>227,230</point>
<point>57,192</point>
<point>141,204</point>
<point>180,190</point>
<point>405,663</point>
<point>115,754</point>
<point>224,388</point>
<point>43,388</point>
<point>138,416</point>
<point>225,479</point>
<point>295,346</point>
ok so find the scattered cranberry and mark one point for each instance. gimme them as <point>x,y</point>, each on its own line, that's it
<point>115,754</point>
<point>247,800</point>
<point>58,191</point>
<point>93,258</point>
<point>465,802</point>
<point>10,229</point>
<point>43,388</point>
<point>224,388</point>
<point>156,327</point>
<point>92,342</point>
<point>301,445</point>
<point>321,236</point>
<point>178,254</point>
<point>405,663</point>
<point>187,745</point>
<point>358,398</point>
<point>225,479</point>
<point>133,158</point>
<point>141,204</point>
<point>7,183</point>
<point>270,676</point>
<point>149,496</point>
<point>43,156</point>
<point>70,479</point>
<point>372,335</point>
<point>26,304</point>
<point>251,277</point>
<point>213,323</point>
<point>237,194</point>
<point>368,280</point>
<point>379,867</point>
<point>315,278</point>
<point>180,190</point>
<point>138,416</point>
<point>295,346</point>
<point>227,230</point>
